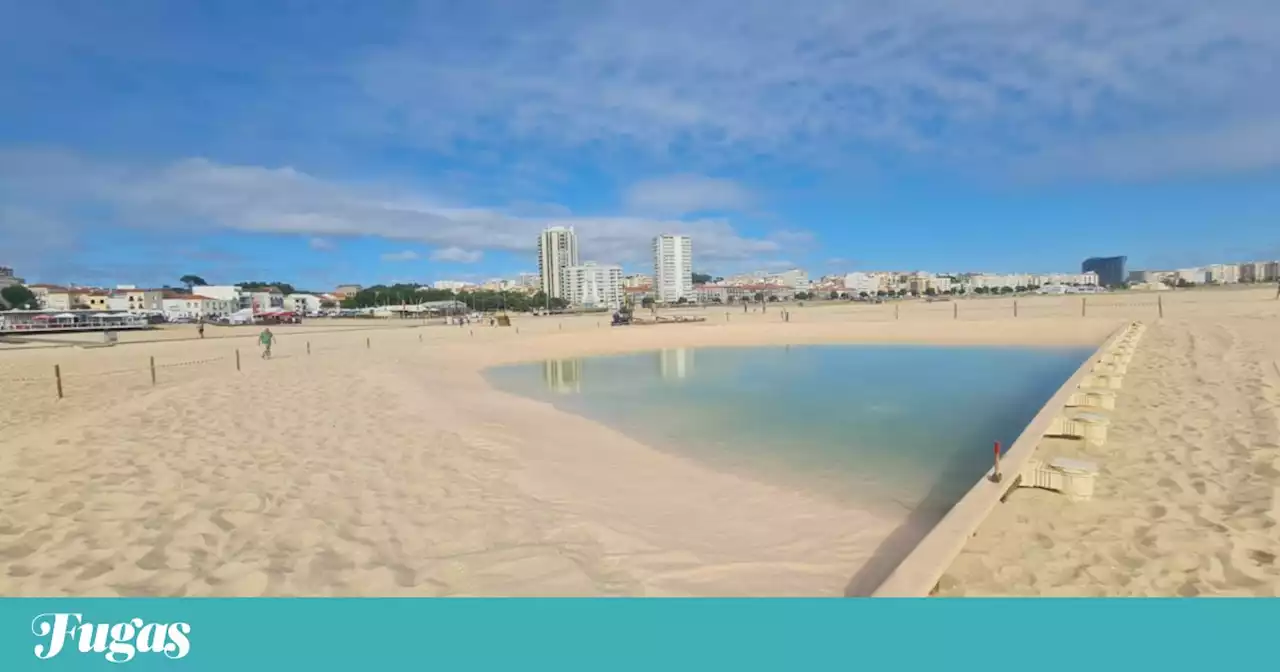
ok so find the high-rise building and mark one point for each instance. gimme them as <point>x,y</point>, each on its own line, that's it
<point>1110,270</point>
<point>672,268</point>
<point>557,251</point>
<point>594,286</point>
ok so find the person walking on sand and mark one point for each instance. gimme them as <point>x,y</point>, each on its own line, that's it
<point>200,328</point>
<point>265,339</point>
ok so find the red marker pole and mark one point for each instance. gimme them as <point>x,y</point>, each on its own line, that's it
<point>995,476</point>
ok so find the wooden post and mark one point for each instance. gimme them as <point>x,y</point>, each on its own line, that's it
<point>1015,307</point>
<point>560,326</point>
<point>237,359</point>
<point>57,375</point>
<point>153,371</point>
<point>419,338</point>
<point>1083,305</point>
<point>1160,305</point>
<point>367,345</point>
<point>308,347</point>
<point>996,476</point>
<point>895,311</point>
<point>955,311</point>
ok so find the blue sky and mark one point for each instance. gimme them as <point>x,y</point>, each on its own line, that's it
<point>331,142</point>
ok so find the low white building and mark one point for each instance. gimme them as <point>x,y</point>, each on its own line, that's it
<point>305,304</point>
<point>858,283</point>
<point>196,306</point>
<point>451,285</point>
<point>592,285</point>
<point>263,301</point>
<point>795,278</point>
<point>223,292</point>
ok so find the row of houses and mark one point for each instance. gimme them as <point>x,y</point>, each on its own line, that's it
<point>204,302</point>
<point>1214,274</point>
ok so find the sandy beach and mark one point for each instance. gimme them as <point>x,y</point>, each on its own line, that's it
<point>383,464</point>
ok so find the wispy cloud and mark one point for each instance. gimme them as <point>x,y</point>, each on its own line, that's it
<point>403,255</point>
<point>457,255</point>
<point>323,244</point>
<point>201,194</point>
<point>681,194</point>
<point>970,85</point>
<point>962,82</point>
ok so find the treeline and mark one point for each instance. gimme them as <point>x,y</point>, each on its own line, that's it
<point>402,294</point>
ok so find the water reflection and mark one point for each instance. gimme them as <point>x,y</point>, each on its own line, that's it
<point>563,375</point>
<point>675,364</point>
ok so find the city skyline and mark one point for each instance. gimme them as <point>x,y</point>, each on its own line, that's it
<point>379,143</point>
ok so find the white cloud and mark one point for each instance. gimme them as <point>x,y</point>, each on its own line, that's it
<point>323,244</point>
<point>680,194</point>
<point>457,255</point>
<point>963,82</point>
<point>403,255</point>
<point>201,193</point>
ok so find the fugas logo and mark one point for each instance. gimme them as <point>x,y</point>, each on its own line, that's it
<point>119,642</point>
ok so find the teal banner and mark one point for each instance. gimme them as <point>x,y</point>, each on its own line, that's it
<point>240,635</point>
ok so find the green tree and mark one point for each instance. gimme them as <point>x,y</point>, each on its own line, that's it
<point>701,278</point>
<point>929,291</point>
<point>682,300</point>
<point>864,295</point>
<point>646,302</point>
<point>260,286</point>
<point>759,297</point>
<point>833,295</point>
<point>18,297</point>
<point>192,281</point>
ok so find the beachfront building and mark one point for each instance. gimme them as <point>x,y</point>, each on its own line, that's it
<point>346,291</point>
<point>1222,274</point>
<point>861,283</point>
<point>51,297</point>
<point>673,267</point>
<point>1110,270</point>
<point>142,300</point>
<point>195,306</point>
<point>795,278</point>
<point>226,293</point>
<point>96,299</point>
<point>636,296</point>
<point>637,280</point>
<point>593,285</point>
<point>557,251</point>
<point>263,300</point>
<point>452,285</point>
<point>304,304</point>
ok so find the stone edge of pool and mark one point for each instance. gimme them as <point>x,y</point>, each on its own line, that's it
<point>922,568</point>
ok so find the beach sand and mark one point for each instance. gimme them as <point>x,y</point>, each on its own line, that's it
<point>1188,497</point>
<point>388,466</point>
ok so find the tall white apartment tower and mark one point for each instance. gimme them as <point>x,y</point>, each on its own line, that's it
<point>672,268</point>
<point>557,251</point>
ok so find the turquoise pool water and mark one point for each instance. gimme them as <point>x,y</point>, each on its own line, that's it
<point>894,428</point>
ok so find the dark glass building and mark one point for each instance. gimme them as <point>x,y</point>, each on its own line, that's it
<point>1110,270</point>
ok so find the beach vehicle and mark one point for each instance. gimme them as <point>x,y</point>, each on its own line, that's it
<point>621,319</point>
